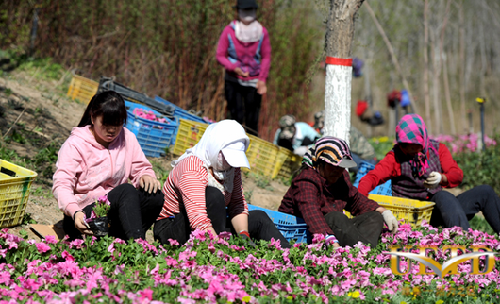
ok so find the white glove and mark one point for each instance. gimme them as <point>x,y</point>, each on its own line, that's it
<point>433,180</point>
<point>301,151</point>
<point>390,220</point>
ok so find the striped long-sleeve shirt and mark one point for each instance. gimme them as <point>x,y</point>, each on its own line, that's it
<point>187,183</point>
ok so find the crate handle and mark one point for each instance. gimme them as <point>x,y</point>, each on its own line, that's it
<point>8,172</point>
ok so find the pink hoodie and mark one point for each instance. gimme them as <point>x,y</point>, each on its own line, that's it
<point>87,170</point>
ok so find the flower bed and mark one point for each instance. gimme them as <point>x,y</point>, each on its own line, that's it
<point>110,270</point>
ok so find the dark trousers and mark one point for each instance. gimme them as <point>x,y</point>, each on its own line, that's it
<point>243,104</point>
<point>132,212</point>
<point>365,228</point>
<point>451,210</point>
<point>260,226</point>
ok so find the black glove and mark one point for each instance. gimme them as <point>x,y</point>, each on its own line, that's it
<point>246,236</point>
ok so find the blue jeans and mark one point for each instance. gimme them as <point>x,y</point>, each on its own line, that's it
<point>451,211</point>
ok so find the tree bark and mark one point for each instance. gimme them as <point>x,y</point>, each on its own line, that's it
<point>338,37</point>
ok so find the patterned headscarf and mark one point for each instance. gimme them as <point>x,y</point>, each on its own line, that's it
<point>411,129</point>
<point>332,150</point>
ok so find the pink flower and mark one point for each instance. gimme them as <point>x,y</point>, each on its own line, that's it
<point>50,239</point>
<point>42,248</point>
<point>67,256</point>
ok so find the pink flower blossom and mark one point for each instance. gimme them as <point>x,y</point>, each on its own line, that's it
<point>42,248</point>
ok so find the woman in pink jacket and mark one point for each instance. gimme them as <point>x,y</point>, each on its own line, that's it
<point>244,50</point>
<point>99,158</point>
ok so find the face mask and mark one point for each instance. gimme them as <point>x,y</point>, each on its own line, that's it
<point>247,15</point>
<point>221,164</point>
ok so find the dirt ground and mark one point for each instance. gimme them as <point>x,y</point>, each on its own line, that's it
<point>43,113</point>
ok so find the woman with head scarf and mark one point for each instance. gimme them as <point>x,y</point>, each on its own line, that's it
<point>204,182</point>
<point>323,189</point>
<point>420,168</point>
<point>244,49</point>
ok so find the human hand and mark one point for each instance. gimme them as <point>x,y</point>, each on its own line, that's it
<point>240,72</point>
<point>246,236</point>
<point>81,223</point>
<point>390,220</point>
<point>149,184</point>
<point>261,87</point>
<point>433,180</point>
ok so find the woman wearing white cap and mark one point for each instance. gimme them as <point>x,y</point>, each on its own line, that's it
<point>205,180</point>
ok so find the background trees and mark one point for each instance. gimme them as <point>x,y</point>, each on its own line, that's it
<point>167,47</point>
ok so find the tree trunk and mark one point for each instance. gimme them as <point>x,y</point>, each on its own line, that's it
<point>338,37</point>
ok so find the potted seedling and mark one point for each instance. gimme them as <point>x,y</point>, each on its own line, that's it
<point>98,221</point>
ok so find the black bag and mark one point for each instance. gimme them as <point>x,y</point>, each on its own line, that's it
<point>99,226</point>
<point>107,83</point>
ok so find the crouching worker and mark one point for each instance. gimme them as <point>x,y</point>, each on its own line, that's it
<point>99,158</point>
<point>322,190</point>
<point>207,179</point>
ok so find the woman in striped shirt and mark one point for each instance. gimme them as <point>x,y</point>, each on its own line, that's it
<point>207,179</point>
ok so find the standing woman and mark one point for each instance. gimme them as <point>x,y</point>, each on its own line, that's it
<point>99,158</point>
<point>244,50</point>
<point>207,179</point>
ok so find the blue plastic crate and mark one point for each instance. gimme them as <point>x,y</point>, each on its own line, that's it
<point>153,136</point>
<point>292,227</point>
<point>180,112</point>
<point>364,167</point>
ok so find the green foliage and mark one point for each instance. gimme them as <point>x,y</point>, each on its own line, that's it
<point>101,208</point>
<point>382,145</point>
<point>481,167</point>
<point>27,219</point>
<point>480,223</point>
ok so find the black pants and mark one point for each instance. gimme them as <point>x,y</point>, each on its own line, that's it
<point>131,213</point>
<point>243,104</point>
<point>451,210</point>
<point>365,228</point>
<point>260,226</point>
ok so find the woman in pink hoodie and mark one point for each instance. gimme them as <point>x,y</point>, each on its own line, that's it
<point>99,158</point>
<point>244,50</point>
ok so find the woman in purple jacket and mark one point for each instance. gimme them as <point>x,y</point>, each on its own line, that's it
<point>245,52</point>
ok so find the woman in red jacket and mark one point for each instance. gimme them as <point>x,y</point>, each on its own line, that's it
<point>420,168</point>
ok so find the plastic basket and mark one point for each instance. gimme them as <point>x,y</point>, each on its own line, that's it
<point>82,88</point>
<point>15,183</point>
<point>189,134</point>
<point>180,112</point>
<point>363,169</point>
<point>261,155</point>
<point>286,163</point>
<point>153,136</point>
<point>409,210</point>
<point>292,227</point>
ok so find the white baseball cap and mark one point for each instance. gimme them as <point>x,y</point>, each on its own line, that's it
<point>235,155</point>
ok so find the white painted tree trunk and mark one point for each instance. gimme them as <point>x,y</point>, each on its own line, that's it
<point>338,101</point>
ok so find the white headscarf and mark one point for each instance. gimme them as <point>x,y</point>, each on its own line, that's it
<point>216,137</point>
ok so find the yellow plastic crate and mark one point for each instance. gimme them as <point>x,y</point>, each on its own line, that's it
<point>15,183</point>
<point>286,163</point>
<point>261,155</point>
<point>409,210</point>
<point>189,134</point>
<point>82,88</point>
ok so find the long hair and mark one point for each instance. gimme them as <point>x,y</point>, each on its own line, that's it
<point>110,105</point>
